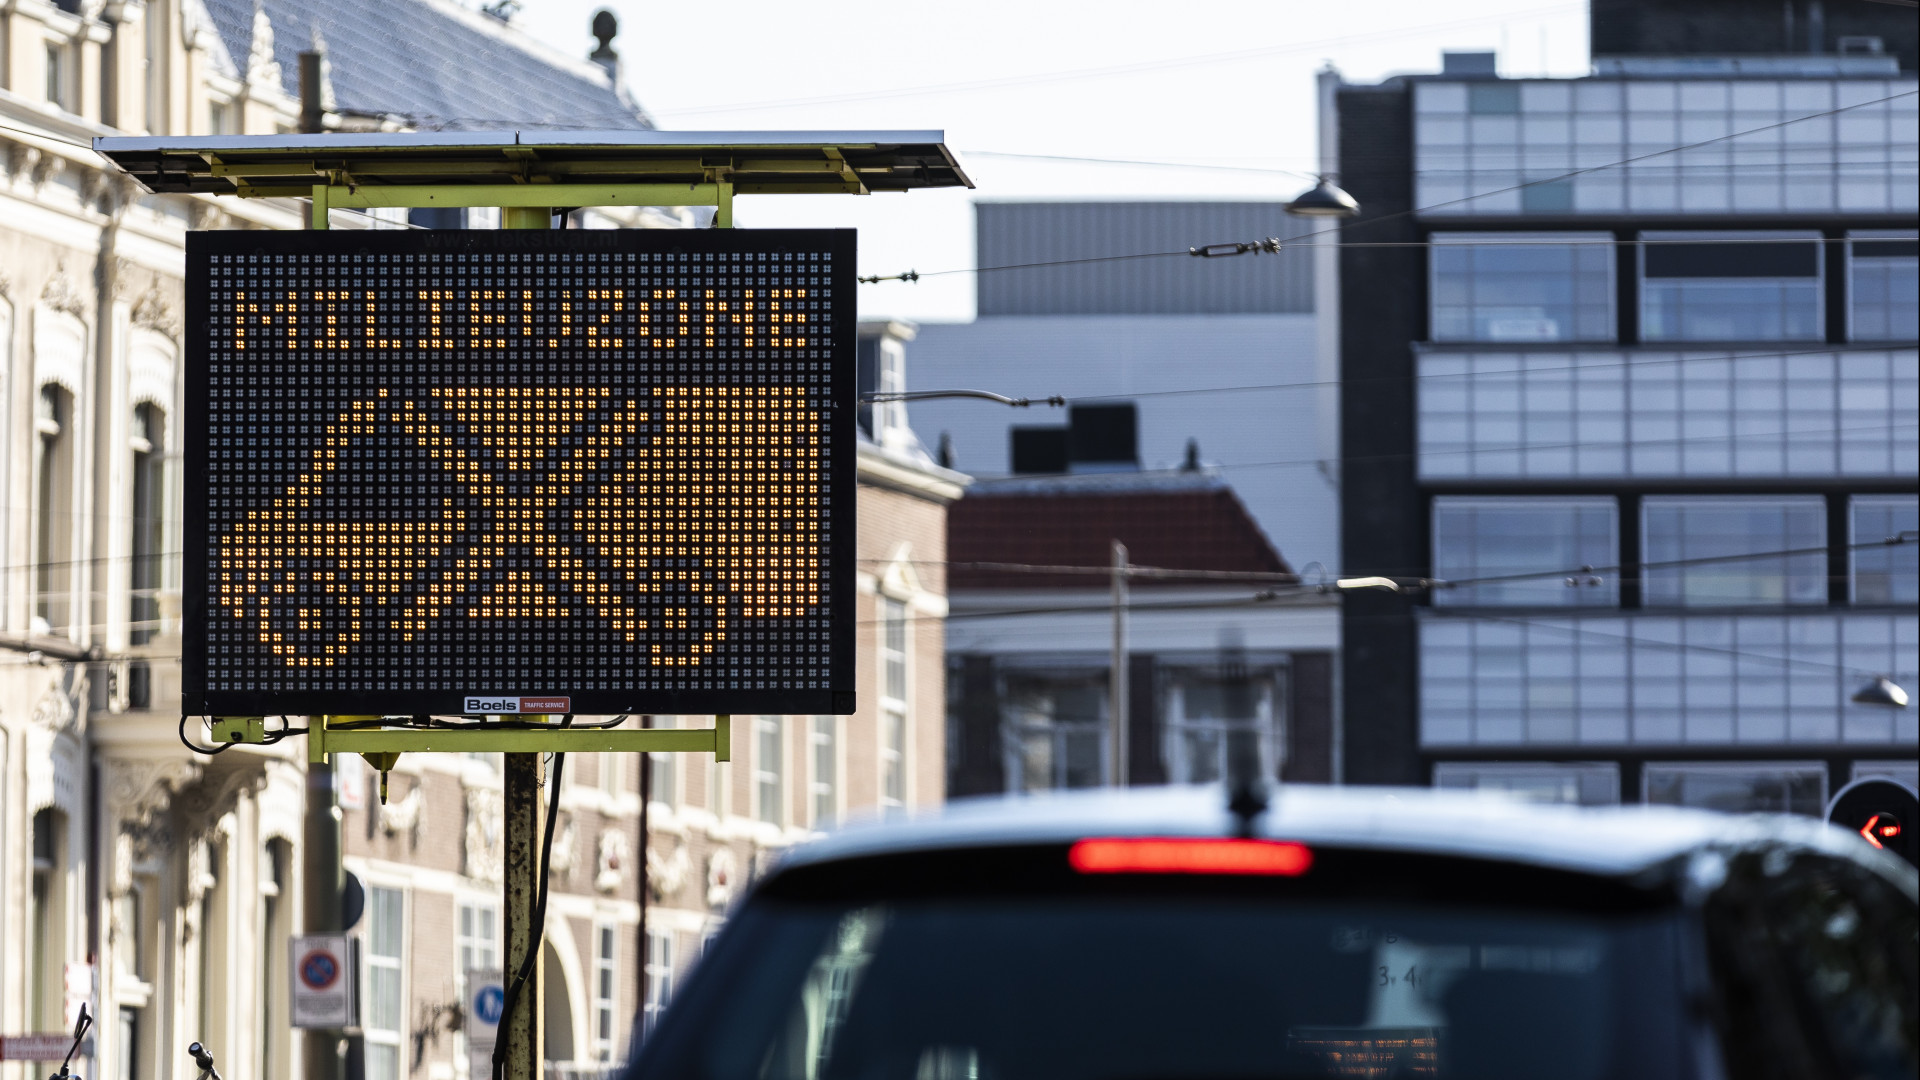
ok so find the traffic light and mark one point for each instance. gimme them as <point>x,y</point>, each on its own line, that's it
<point>1883,812</point>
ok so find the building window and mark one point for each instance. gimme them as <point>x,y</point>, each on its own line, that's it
<point>1055,731</point>
<point>1212,717</point>
<point>1717,534</point>
<point>147,441</point>
<point>612,774</point>
<point>1883,279</point>
<point>477,942</point>
<point>895,681</point>
<point>1522,287</point>
<point>606,971</point>
<point>1887,574</point>
<point>385,1013</point>
<point>662,777</point>
<point>1594,783</point>
<point>58,77</point>
<point>210,942</point>
<point>769,770</point>
<point>658,978</point>
<point>46,977</point>
<point>1731,286</point>
<point>1798,787</point>
<point>1536,544</point>
<point>276,925</point>
<point>52,510</point>
<point>824,755</point>
<point>155,68</point>
<point>220,117</point>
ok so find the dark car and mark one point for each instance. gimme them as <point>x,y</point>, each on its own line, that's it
<point>1326,932</point>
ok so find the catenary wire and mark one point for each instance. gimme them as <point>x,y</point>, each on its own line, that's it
<point>1125,69</point>
<point>1439,205</point>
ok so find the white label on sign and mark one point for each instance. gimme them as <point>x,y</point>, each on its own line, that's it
<point>323,981</point>
<point>486,1000</point>
<point>52,1047</point>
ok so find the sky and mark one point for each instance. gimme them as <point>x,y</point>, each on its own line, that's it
<point>1221,92</point>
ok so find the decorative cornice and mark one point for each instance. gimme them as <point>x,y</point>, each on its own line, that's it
<point>667,875</point>
<point>485,833</point>
<point>262,69</point>
<point>152,311</point>
<point>616,852</point>
<point>138,788</point>
<point>406,815</point>
<point>61,294</point>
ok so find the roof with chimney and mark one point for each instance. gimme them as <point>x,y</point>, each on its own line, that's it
<point>1172,521</point>
<point>432,63</point>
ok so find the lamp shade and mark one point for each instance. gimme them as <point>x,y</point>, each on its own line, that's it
<point>1324,199</point>
<point>1881,691</point>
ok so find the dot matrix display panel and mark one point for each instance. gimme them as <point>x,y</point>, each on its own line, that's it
<point>483,472</point>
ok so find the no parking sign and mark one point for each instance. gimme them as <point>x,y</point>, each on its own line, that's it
<point>323,968</point>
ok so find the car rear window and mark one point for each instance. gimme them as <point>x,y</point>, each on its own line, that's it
<point>1161,977</point>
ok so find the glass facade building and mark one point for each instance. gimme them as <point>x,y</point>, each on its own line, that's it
<point>1661,437</point>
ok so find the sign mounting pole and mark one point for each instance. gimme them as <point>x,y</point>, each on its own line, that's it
<point>525,812</point>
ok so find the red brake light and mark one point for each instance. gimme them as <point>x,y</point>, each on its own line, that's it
<point>1199,855</point>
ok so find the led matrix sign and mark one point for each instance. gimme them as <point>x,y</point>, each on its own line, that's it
<point>485,472</point>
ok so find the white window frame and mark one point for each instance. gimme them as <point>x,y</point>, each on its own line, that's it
<point>823,744</point>
<point>486,951</point>
<point>770,774</point>
<point>606,975</point>
<point>1018,725</point>
<point>663,765</point>
<point>394,1037</point>
<point>612,774</point>
<point>656,978</point>
<point>894,710</point>
<point>1266,730</point>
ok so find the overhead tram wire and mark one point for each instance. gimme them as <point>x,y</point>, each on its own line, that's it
<point>1365,221</point>
<point>1139,67</point>
<point>1293,580</point>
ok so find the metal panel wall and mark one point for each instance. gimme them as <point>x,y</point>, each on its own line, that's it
<point>1056,232</point>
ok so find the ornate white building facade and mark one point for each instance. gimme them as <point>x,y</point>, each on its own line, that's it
<point>153,884</point>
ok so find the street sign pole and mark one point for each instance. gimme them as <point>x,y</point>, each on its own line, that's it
<point>525,820</point>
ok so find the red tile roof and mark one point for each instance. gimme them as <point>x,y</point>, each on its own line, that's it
<point>1185,526</point>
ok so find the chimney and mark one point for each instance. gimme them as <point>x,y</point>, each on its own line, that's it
<point>605,26</point>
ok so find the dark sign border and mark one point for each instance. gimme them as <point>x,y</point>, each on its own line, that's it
<point>838,699</point>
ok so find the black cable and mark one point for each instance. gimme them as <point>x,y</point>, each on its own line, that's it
<point>538,923</point>
<point>189,744</point>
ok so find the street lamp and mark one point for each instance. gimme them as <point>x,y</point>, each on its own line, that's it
<point>1324,200</point>
<point>1882,691</point>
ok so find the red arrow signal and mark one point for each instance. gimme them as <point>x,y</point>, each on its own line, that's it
<point>1880,827</point>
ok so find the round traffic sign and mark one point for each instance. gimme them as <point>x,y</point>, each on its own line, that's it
<point>1883,812</point>
<point>319,969</point>
<point>488,1003</point>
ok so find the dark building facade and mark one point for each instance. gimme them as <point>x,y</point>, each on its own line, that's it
<point>1642,386</point>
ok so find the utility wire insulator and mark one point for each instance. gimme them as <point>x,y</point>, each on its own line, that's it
<point>910,276</point>
<point>1270,246</point>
